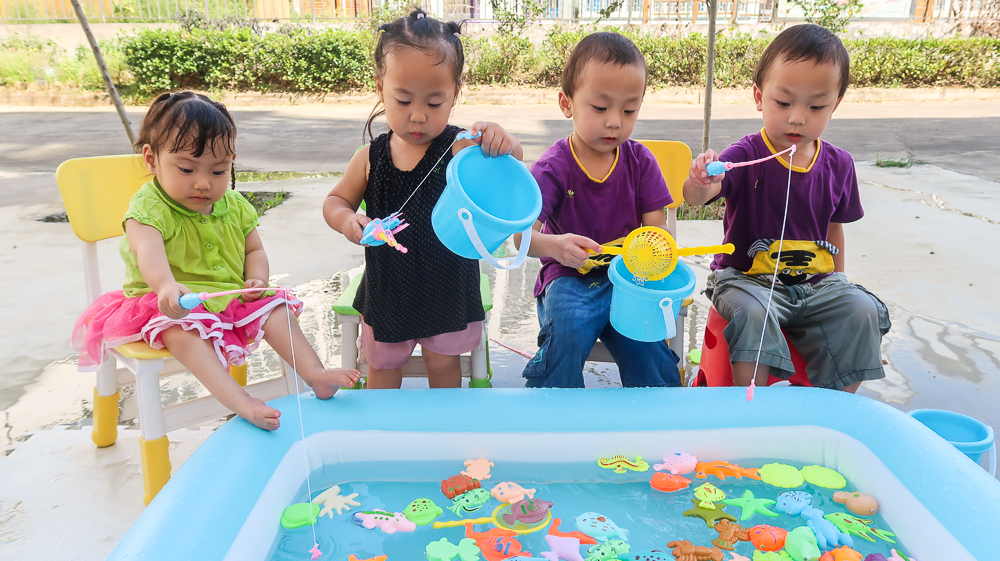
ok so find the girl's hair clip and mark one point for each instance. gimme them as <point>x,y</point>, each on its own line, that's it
<point>420,15</point>
<point>456,34</point>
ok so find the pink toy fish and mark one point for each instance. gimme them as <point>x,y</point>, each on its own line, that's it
<point>509,492</point>
<point>388,522</point>
<point>679,463</point>
<point>316,553</point>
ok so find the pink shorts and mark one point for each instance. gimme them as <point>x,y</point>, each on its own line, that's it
<point>385,356</point>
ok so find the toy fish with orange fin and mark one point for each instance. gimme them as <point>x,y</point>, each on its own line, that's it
<point>724,469</point>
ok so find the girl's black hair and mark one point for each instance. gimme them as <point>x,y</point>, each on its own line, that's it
<point>425,34</point>
<point>188,121</point>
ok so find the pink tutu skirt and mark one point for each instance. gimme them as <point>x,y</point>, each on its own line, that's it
<point>114,320</point>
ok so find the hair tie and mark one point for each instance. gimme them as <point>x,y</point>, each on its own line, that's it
<point>420,15</point>
<point>456,34</point>
<point>381,31</point>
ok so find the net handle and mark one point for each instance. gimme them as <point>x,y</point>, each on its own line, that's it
<point>701,250</point>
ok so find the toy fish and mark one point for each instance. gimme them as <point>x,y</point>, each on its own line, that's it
<point>509,492</point>
<point>767,538</point>
<point>859,527</point>
<point>388,522</point>
<point>679,463</point>
<point>801,544</point>
<point>599,527</point>
<point>709,495</point>
<point>842,553</point>
<point>723,469</point>
<point>527,511</point>
<point>620,463</point>
<point>470,501</point>
<point>654,555</point>
<point>669,483</point>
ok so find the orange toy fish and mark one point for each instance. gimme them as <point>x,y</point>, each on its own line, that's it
<point>723,469</point>
<point>584,538</point>
<point>668,483</point>
<point>767,538</point>
<point>496,544</point>
<point>842,553</point>
<point>376,558</point>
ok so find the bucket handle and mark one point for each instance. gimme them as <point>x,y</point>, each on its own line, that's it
<point>667,307</point>
<point>466,217</point>
<point>993,454</point>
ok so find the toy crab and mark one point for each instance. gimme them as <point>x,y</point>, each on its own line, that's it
<point>382,230</point>
<point>687,551</point>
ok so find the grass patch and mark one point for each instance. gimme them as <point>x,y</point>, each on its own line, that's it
<point>257,176</point>
<point>906,162</point>
<point>264,201</point>
<point>713,211</point>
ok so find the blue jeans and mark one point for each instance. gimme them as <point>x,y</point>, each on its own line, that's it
<point>573,312</point>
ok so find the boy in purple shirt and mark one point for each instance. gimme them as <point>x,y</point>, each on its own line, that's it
<point>836,326</point>
<point>597,186</point>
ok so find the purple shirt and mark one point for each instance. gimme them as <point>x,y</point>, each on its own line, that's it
<point>573,202</point>
<point>825,192</point>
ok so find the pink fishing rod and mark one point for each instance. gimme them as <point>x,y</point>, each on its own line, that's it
<point>720,167</point>
<point>191,300</point>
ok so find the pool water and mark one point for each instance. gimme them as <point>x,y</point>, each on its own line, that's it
<point>651,517</point>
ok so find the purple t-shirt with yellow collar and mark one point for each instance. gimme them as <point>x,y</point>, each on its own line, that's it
<point>824,192</point>
<point>601,209</point>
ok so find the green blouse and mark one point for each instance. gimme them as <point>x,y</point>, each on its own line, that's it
<point>206,252</point>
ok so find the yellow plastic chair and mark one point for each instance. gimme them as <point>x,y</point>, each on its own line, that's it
<point>96,193</point>
<point>674,159</point>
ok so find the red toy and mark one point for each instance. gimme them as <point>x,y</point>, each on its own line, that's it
<point>458,484</point>
<point>716,370</point>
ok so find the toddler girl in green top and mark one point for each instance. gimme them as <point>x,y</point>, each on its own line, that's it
<point>186,231</point>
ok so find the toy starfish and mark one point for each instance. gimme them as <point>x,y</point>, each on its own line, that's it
<point>750,505</point>
<point>332,499</point>
<point>709,516</point>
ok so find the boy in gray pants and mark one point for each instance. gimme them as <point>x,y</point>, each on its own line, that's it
<point>836,326</point>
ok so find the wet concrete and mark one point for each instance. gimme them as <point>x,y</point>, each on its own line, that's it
<point>922,246</point>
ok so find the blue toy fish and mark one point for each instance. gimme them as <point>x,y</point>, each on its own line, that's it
<point>599,527</point>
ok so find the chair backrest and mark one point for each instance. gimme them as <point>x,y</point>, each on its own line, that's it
<point>675,163</point>
<point>97,191</point>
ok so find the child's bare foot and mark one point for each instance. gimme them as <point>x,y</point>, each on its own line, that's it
<point>259,414</point>
<point>326,382</point>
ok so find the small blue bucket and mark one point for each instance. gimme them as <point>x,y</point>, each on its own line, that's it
<point>486,200</point>
<point>648,312</point>
<point>970,436</point>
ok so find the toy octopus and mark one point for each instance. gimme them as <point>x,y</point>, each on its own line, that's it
<point>687,551</point>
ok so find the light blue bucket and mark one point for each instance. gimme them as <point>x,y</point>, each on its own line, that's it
<point>970,436</point>
<point>486,200</point>
<point>648,312</point>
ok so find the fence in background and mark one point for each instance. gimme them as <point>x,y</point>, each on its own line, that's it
<point>633,11</point>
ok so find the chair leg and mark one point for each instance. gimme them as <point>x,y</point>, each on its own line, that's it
<point>480,363</point>
<point>153,444</point>
<point>349,341</point>
<point>105,431</point>
<point>239,373</point>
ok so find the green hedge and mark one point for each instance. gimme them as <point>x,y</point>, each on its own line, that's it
<point>303,60</point>
<point>294,60</point>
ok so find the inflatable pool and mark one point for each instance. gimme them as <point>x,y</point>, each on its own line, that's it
<point>226,500</point>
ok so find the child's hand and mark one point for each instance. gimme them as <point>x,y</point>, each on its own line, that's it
<point>699,175</point>
<point>495,141</point>
<point>168,300</point>
<point>354,230</point>
<point>570,250</point>
<point>253,283</point>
